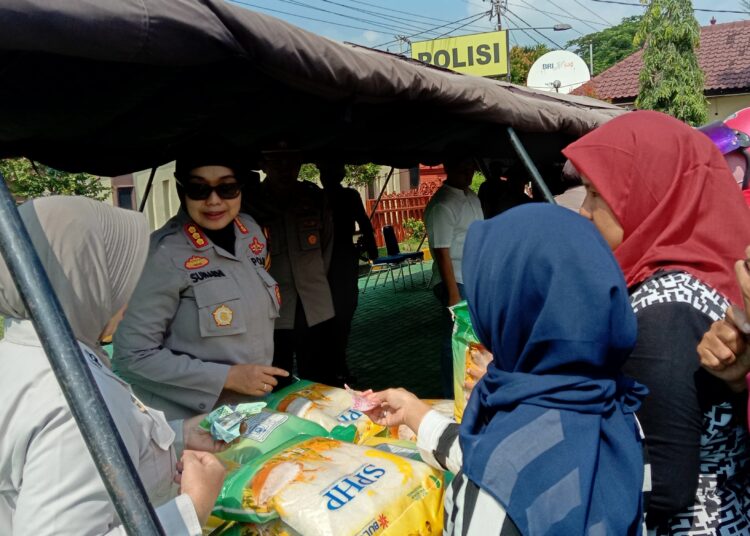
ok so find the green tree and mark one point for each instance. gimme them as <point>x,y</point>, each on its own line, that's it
<point>671,81</point>
<point>521,60</point>
<point>28,180</point>
<point>609,46</point>
<point>355,174</point>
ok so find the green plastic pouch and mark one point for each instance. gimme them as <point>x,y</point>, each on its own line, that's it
<point>467,351</point>
<point>325,405</point>
<point>269,429</point>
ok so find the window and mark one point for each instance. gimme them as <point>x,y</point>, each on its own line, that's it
<point>125,197</point>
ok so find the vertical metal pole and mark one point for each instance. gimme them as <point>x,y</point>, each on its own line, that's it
<point>77,384</point>
<point>591,59</point>
<point>529,163</point>
<point>382,191</point>
<point>148,189</point>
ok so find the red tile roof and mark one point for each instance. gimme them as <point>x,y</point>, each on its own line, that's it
<point>724,56</point>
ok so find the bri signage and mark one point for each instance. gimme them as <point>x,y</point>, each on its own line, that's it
<point>484,54</point>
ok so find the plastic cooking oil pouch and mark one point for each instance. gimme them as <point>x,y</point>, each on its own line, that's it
<point>403,432</point>
<point>328,406</point>
<point>325,487</point>
<point>268,429</point>
<point>467,351</point>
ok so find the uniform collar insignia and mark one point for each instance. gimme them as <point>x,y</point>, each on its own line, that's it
<point>240,226</point>
<point>196,236</point>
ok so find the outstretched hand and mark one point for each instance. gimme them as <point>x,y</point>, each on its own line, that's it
<point>397,407</point>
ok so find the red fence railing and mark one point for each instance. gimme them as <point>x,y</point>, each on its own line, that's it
<point>395,209</point>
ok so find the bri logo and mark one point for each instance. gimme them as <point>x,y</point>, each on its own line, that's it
<point>347,488</point>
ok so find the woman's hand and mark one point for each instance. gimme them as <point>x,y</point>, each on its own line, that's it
<point>254,380</point>
<point>397,407</point>
<point>200,476</point>
<point>480,360</point>
<point>196,438</point>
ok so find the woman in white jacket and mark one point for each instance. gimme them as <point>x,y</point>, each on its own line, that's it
<point>49,484</point>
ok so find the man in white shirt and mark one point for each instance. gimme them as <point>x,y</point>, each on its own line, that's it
<point>448,215</point>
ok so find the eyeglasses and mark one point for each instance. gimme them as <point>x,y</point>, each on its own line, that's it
<point>201,191</point>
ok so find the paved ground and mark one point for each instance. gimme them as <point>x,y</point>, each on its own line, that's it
<point>396,337</point>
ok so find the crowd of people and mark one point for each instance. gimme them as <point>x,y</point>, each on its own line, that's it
<point>615,401</point>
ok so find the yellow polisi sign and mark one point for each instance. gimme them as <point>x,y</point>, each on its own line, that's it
<point>484,54</point>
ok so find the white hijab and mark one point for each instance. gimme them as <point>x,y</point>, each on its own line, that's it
<point>93,255</point>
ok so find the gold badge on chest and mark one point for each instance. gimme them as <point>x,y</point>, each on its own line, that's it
<point>223,316</point>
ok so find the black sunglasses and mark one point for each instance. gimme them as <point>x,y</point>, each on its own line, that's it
<point>201,191</point>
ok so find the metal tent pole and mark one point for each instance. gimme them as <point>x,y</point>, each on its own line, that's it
<point>75,379</point>
<point>148,189</point>
<point>529,163</point>
<point>382,191</point>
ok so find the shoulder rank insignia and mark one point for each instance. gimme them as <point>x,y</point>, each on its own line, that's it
<point>223,316</point>
<point>195,262</point>
<point>195,235</point>
<point>278,294</point>
<point>256,246</point>
<point>241,226</point>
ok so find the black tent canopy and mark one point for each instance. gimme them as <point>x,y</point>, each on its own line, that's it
<point>114,86</point>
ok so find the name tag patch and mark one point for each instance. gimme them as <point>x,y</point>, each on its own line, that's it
<point>208,274</point>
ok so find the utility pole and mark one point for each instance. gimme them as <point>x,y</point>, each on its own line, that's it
<point>497,10</point>
<point>591,59</point>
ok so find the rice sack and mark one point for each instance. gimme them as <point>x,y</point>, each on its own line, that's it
<point>268,429</point>
<point>325,487</point>
<point>325,405</point>
<point>467,351</point>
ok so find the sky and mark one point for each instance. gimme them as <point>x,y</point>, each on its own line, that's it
<point>377,23</point>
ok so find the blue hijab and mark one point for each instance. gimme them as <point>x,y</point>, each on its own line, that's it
<point>549,432</point>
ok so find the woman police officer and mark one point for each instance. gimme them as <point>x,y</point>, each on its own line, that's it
<point>200,323</point>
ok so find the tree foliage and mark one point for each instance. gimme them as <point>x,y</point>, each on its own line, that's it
<point>521,60</point>
<point>355,174</point>
<point>610,45</point>
<point>671,80</point>
<point>28,180</point>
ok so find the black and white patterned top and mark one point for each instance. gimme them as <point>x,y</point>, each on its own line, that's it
<point>697,443</point>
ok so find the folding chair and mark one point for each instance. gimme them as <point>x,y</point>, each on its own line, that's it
<point>409,258</point>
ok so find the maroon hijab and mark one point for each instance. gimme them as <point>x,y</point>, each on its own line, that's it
<point>673,195</point>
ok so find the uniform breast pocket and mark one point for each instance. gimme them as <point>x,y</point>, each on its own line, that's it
<point>219,308</point>
<point>273,291</point>
<point>309,233</point>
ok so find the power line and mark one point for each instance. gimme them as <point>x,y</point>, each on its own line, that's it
<point>389,27</point>
<point>523,30</point>
<point>410,13</point>
<point>529,25</point>
<point>569,13</point>
<point>462,26</point>
<point>248,4</point>
<point>435,28</point>
<point>410,22</point>
<point>545,14</point>
<point>594,13</point>
<point>565,16</point>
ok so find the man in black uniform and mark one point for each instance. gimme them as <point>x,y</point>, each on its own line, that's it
<point>348,210</point>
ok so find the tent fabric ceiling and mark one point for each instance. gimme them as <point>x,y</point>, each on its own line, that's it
<point>114,86</point>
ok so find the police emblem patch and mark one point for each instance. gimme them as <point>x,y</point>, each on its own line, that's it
<point>195,262</point>
<point>223,316</point>
<point>312,239</point>
<point>256,246</point>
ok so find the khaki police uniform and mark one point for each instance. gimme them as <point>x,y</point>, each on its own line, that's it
<point>48,481</point>
<point>301,244</point>
<point>197,310</point>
